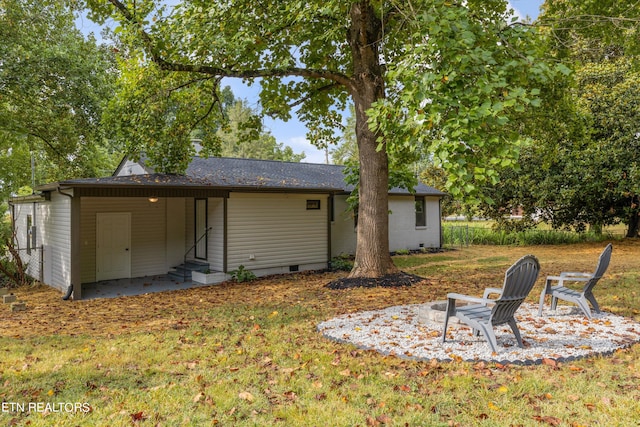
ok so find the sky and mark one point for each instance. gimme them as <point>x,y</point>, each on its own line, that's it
<point>293,132</point>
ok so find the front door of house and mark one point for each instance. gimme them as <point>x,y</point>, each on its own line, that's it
<point>201,229</point>
<point>113,246</point>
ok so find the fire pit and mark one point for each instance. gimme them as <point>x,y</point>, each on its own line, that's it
<point>435,312</point>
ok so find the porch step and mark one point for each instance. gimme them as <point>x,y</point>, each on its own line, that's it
<point>183,271</point>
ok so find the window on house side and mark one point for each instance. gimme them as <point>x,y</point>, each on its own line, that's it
<point>421,214</point>
<point>313,205</point>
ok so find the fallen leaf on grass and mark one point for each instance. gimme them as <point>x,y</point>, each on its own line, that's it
<point>493,406</point>
<point>379,420</point>
<point>553,421</point>
<point>245,395</point>
<point>138,416</point>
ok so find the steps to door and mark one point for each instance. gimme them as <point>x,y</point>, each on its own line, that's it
<point>183,271</point>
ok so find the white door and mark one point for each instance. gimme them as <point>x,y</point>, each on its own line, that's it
<point>113,246</point>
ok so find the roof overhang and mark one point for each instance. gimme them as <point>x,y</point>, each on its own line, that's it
<point>166,186</point>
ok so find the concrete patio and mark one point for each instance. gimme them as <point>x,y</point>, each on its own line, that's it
<point>135,286</point>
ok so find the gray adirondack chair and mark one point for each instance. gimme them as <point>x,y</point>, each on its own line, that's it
<point>582,298</point>
<point>486,312</point>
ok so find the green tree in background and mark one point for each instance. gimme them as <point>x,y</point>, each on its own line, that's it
<point>53,83</point>
<point>582,169</point>
<point>244,136</point>
<point>437,74</point>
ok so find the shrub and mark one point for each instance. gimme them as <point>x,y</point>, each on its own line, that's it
<point>341,263</point>
<point>242,274</point>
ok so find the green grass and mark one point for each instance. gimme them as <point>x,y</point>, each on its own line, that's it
<point>263,363</point>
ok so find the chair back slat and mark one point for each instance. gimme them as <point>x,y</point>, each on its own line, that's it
<point>518,282</point>
<point>601,268</point>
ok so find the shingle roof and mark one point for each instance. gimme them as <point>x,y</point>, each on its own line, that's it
<point>245,174</point>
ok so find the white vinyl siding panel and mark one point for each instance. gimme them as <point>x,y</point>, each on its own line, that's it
<point>56,230</point>
<point>266,231</point>
<point>148,234</point>
<point>176,231</point>
<point>216,235</point>
<point>403,232</point>
<point>53,239</point>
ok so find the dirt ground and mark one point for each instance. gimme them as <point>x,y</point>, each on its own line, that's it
<point>467,270</point>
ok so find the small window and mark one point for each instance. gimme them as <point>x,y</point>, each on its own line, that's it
<point>421,214</point>
<point>313,205</point>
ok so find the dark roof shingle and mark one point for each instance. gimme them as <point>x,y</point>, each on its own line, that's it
<point>244,174</point>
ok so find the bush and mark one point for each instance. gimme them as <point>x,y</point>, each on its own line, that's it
<point>242,274</point>
<point>341,263</point>
<point>12,271</point>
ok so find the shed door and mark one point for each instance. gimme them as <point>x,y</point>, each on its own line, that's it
<point>113,243</point>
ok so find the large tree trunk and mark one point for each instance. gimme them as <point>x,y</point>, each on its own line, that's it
<point>372,250</point>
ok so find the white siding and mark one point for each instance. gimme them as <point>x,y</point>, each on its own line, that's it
<point>403,233</point>
<point>276,230</point>
<point>176,235</point>
<point>53,239</point>
<point>216,235</point>
<point>56,235</point>
<point>148,234</point>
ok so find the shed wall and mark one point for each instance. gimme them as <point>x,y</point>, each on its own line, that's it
<point>50,258</point>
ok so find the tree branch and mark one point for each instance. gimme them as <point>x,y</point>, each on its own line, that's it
<point>339,78</point>
<point>324,88</point>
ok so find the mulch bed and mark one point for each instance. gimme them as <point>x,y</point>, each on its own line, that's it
<point>390,280</point>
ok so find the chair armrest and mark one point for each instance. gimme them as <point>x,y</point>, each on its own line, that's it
<point>565,278</point>
<point>454,296</point>
<point>575,274</point>
<point>489,291</point>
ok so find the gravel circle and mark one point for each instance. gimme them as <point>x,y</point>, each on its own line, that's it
<point>563,335</point>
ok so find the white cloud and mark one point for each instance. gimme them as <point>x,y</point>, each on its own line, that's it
<point>300,144</point>
<point>516,11</point>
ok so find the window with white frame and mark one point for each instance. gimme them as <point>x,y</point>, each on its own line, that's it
<point>421,212</point>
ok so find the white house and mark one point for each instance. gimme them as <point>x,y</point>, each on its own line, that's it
<point>270,217</point>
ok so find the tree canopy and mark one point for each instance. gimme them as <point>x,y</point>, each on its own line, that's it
<point>582,169</point>
<point>441,75</point>
<point>53,83</point>
<point>244,136</point>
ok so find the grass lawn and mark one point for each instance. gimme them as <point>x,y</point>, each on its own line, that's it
<point>249,355</point>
